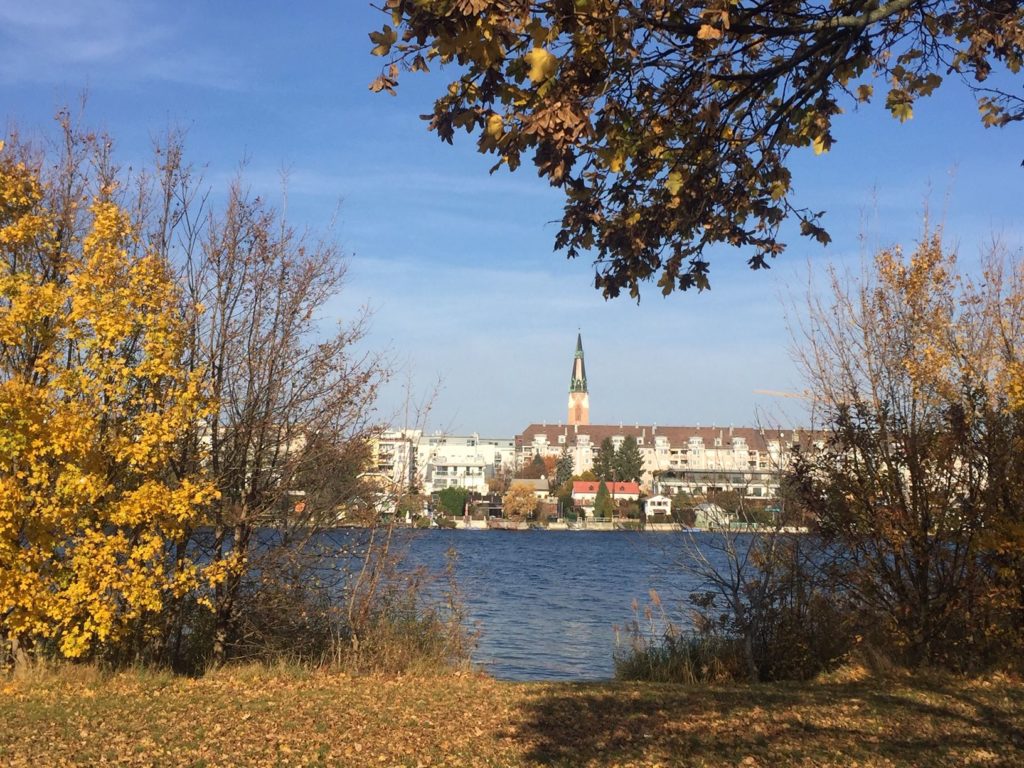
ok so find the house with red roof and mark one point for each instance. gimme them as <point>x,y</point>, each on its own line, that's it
<point>584,492</point>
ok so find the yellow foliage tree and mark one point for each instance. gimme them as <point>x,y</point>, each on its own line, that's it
<point>519,502</point>
<point>92,401</point>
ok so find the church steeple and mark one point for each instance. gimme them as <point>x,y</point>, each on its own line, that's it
<point>579,399</point>
<point>578,379</point>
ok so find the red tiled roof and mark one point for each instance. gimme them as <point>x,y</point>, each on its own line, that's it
<point>586,486</point>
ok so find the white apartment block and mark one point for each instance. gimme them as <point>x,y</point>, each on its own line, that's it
<point>394,456</point>
<point>437,461</point>
<point>698,460</point>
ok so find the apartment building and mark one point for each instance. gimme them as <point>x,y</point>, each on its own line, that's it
<point>435,461</point>
<point>698,460</point>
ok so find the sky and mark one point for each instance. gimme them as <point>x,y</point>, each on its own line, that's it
<point>468,299</point>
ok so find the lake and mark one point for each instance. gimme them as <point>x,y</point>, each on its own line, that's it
<point>546,602</point>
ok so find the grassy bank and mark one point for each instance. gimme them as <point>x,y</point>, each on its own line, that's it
<point>256,716</point>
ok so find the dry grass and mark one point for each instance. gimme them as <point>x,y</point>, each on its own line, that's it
<point>258,716</point>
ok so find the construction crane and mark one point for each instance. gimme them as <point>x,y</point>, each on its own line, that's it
<point>805,395</point>
<point>776,393</point>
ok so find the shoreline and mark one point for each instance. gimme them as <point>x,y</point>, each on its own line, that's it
<point>604,527</point>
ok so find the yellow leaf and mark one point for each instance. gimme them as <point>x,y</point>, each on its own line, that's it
<point>495,126</point>
<point>543,64</point>
<point>903,112</point>
<point>821,144</point>
<point>674,182</point>
<point>707,32</point>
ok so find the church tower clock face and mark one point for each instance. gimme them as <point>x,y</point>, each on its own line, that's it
<point>579,398</point>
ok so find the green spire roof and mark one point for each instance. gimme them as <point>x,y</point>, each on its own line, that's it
<point>578,378</point>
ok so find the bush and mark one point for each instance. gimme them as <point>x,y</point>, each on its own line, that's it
<point>765,611</point>
<point>347,602</point>
<point>656,649</point>
<point>680,658</point>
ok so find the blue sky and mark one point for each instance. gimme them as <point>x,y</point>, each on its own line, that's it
<point>457,265</point>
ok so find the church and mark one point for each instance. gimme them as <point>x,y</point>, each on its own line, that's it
<point>697,460</point>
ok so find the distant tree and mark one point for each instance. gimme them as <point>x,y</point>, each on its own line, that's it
<point>565,500</point>
<point>604,507</point>
<point>519,502</point>
<point>627,508</point>
<point>586,477</point>
<point>563,469</point>
<point>682,509</point>
<point>500,481</point>
<point>550,466</point>
<point>452,501</point>
<point>604,461</point>
<point>731,502</point>
<point>535,470</point>
<point>497,485</point>
<point>411,504</point>
<point>629,462</point>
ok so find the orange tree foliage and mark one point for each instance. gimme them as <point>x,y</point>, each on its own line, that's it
<point>519,502</point>
<point>91,403</point>
<point>669,124</point>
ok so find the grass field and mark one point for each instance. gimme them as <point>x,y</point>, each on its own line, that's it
<point>253,716</point>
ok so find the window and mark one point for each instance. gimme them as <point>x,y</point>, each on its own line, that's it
<point>561,439</point>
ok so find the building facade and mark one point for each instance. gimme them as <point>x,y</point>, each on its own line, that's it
<point>697,460</point>
<point>411,459</point>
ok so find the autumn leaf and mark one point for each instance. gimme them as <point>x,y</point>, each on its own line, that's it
<point>674,182</point>
<point>708,32</point>
<point>495,126</point>
<point>383,41</point>
<point>902,112</point>
<point>542,63</point>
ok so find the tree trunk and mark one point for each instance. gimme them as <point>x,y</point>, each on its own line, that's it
<point>20,655</point>
<point>748,651</point>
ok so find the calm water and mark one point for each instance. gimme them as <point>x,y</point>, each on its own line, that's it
<point>546,601</point>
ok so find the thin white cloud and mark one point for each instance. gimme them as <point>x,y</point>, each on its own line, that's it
<point>119,41</point>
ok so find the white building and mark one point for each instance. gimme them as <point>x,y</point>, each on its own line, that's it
<point>657,505</point>
<point>433,462</point>
<point>393,455</point>
<point>698,460</point>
